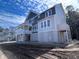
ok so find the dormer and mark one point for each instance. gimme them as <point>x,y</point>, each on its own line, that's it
<point>31,14</point>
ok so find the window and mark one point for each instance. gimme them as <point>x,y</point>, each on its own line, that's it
<point>48,22</point>
<point>33,28</point>
<point>53,11</point>
<point>50,12</point>
<point>46,14</point>
<point>44,23</point>
<point>38,16</point>
<point>36,27</point>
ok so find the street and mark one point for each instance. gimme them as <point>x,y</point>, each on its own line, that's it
<point>15,51</point>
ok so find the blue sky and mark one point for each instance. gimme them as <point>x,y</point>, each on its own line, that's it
<point>14,12</point>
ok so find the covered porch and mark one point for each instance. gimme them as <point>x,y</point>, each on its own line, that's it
<point>22,35</point>
<point>64,34</point>
<point>23,32</point>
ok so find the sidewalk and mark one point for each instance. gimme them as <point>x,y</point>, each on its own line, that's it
<point>70,49</point>
<point>4,54</point>
<point>43,44</point>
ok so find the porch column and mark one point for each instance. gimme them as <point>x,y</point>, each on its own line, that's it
<point>16,38</point>
<point>67,37</point>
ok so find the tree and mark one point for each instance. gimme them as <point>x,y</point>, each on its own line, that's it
<point>70,8</point>
<point>73,21</point>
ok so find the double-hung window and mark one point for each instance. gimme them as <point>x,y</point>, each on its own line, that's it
<point>46,14</point>
<point>50,12</point>
<point>41,24</point>
<point>48,22</point>
<point>44,23</point>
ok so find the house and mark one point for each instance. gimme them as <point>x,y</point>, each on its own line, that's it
<point>49,26</point>
<point>22,33</point>
<point>7,34</point>
<point>4,35</point>
<point>11,34</point>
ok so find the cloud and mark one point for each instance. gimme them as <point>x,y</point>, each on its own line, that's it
<point>15,11</point>
<point>9,19</point>
<point>70,2</point>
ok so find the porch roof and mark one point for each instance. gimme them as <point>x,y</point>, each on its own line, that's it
<point>22,31</point>
<point>63,27</point>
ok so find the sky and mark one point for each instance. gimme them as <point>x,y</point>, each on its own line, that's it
<point>14,12</point>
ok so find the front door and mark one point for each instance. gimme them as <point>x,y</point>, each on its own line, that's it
<point>27,37</point>
<point>62,36</point>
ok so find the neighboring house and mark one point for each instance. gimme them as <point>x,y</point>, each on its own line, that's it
<point>7,35</point>
<point>22,32</point>
<point>50,26</point>
<point>11,34</point>
<point>2,36</point>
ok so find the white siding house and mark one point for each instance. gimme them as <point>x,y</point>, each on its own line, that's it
<point>50,26</point>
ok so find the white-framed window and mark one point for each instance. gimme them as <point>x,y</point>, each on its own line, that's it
<point>50,12</point>
<point>48,22</point>
<point>44,23</point>
<point>41,24</point>
<point>46,13</point>
<point>33,28</point>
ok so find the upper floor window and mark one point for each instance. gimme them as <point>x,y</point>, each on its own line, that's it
<point>38,16</point>
<point>53,10</point>
<point>50,12</point>
<point>48,22</point>
<point>46,14</point>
